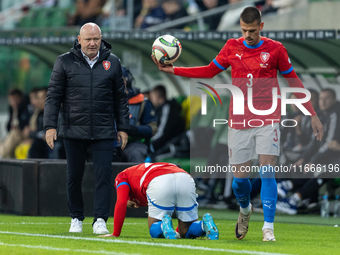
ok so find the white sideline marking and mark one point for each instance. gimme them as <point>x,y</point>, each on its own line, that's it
<point>114,240</point>
<point>51,223</point>
<point>65,249</point>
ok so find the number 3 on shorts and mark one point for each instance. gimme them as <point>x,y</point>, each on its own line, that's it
<point>276,137</point>
<point>250,76</point>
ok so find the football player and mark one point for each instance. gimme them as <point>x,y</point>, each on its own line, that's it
<point>255,61</point>
<point>164,188</point>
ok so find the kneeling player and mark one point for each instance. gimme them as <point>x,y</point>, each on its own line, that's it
<point>163,187</point>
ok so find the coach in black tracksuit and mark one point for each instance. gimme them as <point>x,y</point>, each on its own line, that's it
<point>88,82</point>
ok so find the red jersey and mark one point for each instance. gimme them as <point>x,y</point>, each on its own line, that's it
<point>131,184</point>
<point>254,67</point>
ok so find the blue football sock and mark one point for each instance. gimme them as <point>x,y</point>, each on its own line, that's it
<point>156,230</point>
<point>195,230</point>
<point>242,189</point>
<point>268,192</point>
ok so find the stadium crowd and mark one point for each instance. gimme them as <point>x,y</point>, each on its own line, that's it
<point>26,134</point>
<point>146,13</point>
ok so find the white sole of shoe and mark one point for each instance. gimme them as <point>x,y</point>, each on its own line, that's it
<point>101,232</point>
<point>75,231</point>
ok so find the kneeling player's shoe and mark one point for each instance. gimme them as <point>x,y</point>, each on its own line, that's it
<point>268,235</point>
<point>168,229</point>
<point>281,191</point>
<point>286,206</point>
<point>211,231</point>
<point>99,227</point>
<point>241,228</point>
<point>76,226</point>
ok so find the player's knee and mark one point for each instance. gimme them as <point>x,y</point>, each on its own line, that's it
<point>156,230</point>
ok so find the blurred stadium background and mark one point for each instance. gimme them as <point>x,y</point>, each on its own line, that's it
<point>34,32</point>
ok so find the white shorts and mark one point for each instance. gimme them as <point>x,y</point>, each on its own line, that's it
<point>246,144</point>
<point>170,192</point>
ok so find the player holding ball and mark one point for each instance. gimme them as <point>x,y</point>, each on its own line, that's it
<point>255,61</point>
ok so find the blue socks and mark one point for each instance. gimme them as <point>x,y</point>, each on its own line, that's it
<point>242,189</point>
<point>156,230</point>
<point>268,192</point>
<point>195,230</point>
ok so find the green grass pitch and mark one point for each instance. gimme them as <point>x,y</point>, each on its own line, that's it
<point>49,235</point>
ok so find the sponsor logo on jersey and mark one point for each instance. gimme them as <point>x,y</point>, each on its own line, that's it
<point>264,65</point>
<point>240,56</point>
<point>106,65</point>
<point>264,56</point>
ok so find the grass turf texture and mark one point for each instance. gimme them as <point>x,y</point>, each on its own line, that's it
<point>314,236</point>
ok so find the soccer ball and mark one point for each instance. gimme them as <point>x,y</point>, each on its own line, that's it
<point>166,49</point>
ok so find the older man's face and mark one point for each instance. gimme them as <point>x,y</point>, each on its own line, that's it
<point>90,39</point>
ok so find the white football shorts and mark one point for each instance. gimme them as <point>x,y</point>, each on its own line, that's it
<point>246,144</point>
<point>172,192</point>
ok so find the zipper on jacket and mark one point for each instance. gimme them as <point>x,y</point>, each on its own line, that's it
<point>91,104</point>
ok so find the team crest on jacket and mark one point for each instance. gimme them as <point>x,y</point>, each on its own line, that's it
<point>264,56</point>
<point>106,65</point>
